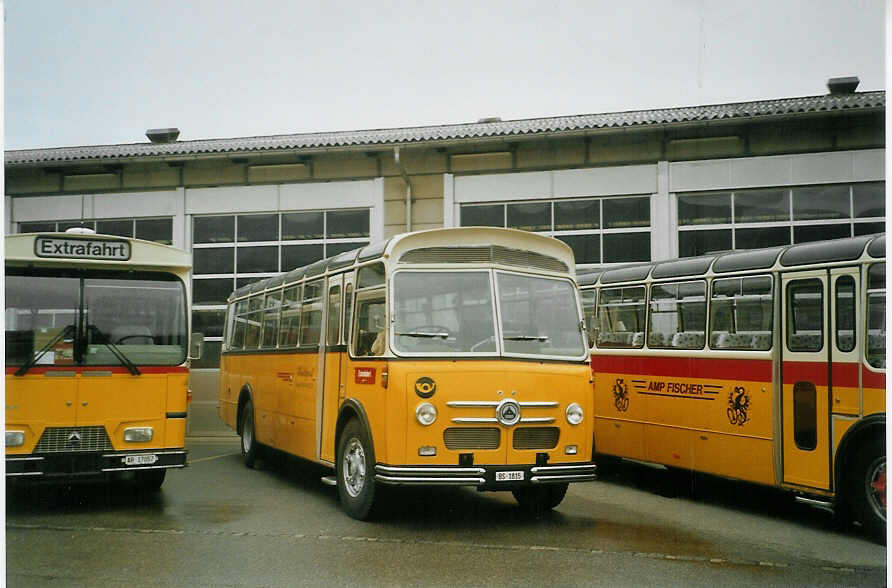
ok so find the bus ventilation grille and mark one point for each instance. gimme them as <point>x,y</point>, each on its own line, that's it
<point>73,439</point>
<point>489,254</point>
<point>536,437</point>
<point>471,438</point>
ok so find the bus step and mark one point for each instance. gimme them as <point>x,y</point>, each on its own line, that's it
<point>822,504</point>
<point>329,480</point>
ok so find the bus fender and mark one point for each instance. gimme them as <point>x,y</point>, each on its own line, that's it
<point>872,426</point>
<point>352,408</point>
<point>244,396</point>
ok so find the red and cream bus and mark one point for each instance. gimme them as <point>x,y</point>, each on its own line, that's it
<point>96,357</point>
<point>765,365</point>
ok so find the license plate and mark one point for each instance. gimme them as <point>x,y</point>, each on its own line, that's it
<point>140,459</point>
<point>514,476</point>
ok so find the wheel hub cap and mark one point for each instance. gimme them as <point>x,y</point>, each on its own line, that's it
<point>354,467</point>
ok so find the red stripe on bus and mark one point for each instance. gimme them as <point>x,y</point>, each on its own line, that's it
<point>147,369</point>
<point>871,379</point>
<point>845,374</point>
<point>750,370</point>
<point>815,372</point>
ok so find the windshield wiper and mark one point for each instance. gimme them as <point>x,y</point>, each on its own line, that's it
<point>540,338</point>
<point>104,339</point>
<point>32,361</point>
<point>425,335</point>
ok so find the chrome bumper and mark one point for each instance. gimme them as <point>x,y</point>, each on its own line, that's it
<point>483,476</point>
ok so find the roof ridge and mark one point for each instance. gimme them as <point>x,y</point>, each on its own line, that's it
<point>452,131</point>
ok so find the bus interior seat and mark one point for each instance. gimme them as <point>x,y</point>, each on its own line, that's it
<point>805,341</point>
<point>689,340</point>
<point>714,338</point>
<point>656,339</point>
<point>735,341</point>
<point>762,341</point>
<point>638,339</point>
<point>845,340</point>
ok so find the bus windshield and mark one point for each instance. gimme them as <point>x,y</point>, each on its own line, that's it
<point>69,318</point>
<point>453,312</point>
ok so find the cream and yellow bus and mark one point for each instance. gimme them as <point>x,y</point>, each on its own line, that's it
<point>442,357</point>
<point>766,365</point>
<point>96,357</point>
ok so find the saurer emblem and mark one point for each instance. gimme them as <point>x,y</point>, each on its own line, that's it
<point>738,404</point>
<point>621,395</point>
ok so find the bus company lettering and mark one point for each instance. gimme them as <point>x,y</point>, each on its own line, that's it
<point>82,248</point>
<point>680,388</point>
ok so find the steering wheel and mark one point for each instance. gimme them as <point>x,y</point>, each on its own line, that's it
<point>125,337</point>
<point>480,344</point>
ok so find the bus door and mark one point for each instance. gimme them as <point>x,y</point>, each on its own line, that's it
<point>805,375</point>
<point>330,367</point>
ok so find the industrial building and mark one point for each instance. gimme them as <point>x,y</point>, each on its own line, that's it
<point>617,187</point>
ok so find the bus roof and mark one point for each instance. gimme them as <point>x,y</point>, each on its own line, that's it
<point>22,249</point>
<point>801,254</point>
<point>456,245</point>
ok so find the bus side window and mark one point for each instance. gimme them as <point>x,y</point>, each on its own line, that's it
<point>311,314</point>
<point>290,323</point>
<point>272,306</point>
<point>876,315</point>
<point>591,319</point>
<point>371,332</point>
<point>845,313</point>
<point>805,315</point>
<point>334,314</point>
<point>677,315</point>
<point>620,315</point>
<point>348,312</point>
<point>740,315</point>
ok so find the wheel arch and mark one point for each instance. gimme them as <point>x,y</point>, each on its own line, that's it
<point>244,395</point>
<point>350,409</point>
<point>865,430</point>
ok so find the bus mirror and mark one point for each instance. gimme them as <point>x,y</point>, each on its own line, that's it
<point>196,342</point>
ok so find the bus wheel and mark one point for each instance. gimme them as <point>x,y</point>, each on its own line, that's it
<point>868,489</point>
<point>356,471</point>
<point>540,498</point>
<point>150,480</point>
<point>249,441</point>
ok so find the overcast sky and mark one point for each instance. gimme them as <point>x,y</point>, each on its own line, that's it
<point>88,72</point>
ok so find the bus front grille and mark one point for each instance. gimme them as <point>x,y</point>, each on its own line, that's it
<point>471,438</point>
<point>536,437</point>
<point>73,439</point>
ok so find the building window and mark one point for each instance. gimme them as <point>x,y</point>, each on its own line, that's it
<point>749,219</point>
<point>159,230</point>
<point>599,230</point>
<point>230,251</point>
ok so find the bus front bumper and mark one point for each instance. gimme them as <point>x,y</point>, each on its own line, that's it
<point>93,463</point>
<point>485,477</point>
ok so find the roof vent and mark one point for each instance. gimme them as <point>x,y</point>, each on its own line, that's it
<point>163,135</point>
<point>843,85</point>
<point>489,119</point>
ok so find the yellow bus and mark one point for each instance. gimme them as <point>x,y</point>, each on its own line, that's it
<point>96,357</point>
<point>443,357</point>
<point>766,365</point>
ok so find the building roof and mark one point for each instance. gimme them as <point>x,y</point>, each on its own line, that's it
<point>455,132</point>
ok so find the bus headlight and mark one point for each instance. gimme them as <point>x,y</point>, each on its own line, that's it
<point>426,413</point>
<point>15,438</point>
<point>575,414</point>
<point>138,434</point>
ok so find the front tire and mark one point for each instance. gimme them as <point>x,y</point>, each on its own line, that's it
<point>356,471</point>
<point>867,489</point>
<point>540,498</point>
<point>249,440</point>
